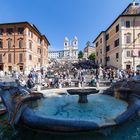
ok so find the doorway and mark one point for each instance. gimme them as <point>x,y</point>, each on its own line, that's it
<point>10,68</point>
<point>21,68</point>
<point>128,67</point>
<point>1,67</point>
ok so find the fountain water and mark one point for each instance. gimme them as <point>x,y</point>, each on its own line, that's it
<point>63,113</point>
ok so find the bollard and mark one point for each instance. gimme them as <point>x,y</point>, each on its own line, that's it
<point>38,88</point>
<point>79,85</point>
<point>97,85</point>
<point>60,86</point>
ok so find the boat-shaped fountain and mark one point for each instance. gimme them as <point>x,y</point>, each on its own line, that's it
<point>81,110</point>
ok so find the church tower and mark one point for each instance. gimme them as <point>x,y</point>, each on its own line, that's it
<point>66,47</point>
<point>75,47</point>
<point>71,48</point>
<point>66,43</point>
<point>75,42</point>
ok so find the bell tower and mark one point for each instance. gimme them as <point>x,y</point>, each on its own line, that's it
<point>75,48</point>
<point>66,43</point>
<point>75,42</point>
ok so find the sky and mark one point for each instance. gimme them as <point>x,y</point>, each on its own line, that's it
<point>58,19</point>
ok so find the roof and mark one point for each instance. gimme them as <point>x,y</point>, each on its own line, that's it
<point>98,36</point>
<point>31,25</point>
<point>127,12</point>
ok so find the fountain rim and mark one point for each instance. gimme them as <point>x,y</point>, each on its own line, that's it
<point>29,119</point>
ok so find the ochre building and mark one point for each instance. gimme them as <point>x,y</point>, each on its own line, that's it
<point>22,47</point>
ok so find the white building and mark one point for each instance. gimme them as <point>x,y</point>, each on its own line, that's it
<point>71,49</point>
<point>56,54</point>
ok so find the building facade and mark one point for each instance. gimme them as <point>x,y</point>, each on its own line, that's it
<point>88,50</point>
<point>22,47</point>
<point>119,45</point>
<point>56,54</point>
<point>71,49</point>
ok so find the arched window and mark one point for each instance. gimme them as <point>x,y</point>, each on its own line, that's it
<point>20,43</point>
<point>9,43</point>
<point>127,38</point>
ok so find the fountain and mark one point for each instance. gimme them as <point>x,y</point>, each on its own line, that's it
<point>82,93</point>
<point>63,113</point>
<point>2,109</point>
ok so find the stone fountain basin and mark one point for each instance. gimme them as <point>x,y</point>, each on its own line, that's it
<point>2,109</point>
<point>55,114</point>
<point>64,113</point>
<point>82,91</point>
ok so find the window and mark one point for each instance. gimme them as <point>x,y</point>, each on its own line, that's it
<point>117,55</point>
<point>100,51</point>
<point>1,31</point>
<point>101,40</point>
<point>107,48</point>
<point>65,44</point>
<point>39,50</point>
<point>108,58</point>
<point>30,45</point>
<point>116,43</point>
<point>132,53</point>
<point>30,57</point>
<point>101,60</point>
<point>127,38</point>
<point>9,43</point>
<point>117,28</point>
<point>97,53</point>
<point>107,36</point>
<point>9,58</point>
<point>20,30</point>
<point>39,60</point>
<point>97,44</point>
<point>20,58</point>
<point>9,31</point>
<point>20,43</point>
<point>127,24</point>
<point>1,43</point>
<point>138,53</point>
<point>139,38</point>
<point>128,53</point>
<point>39,41</point>
<point>31,35</point>
<point>0,58</point>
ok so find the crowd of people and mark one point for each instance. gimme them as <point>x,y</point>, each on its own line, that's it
<point>54,78</point>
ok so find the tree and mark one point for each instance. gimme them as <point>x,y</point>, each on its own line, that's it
<point>88,44</point>
<point>92,56</point>
<point>80,54</point>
